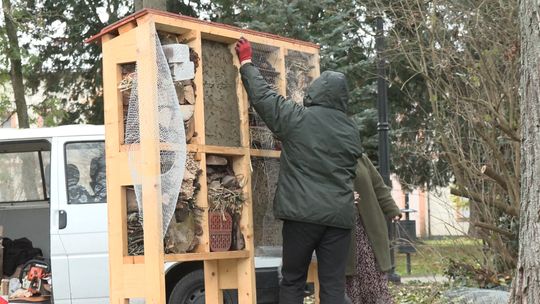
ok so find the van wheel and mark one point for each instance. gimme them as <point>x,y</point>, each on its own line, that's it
<point>190,290</point>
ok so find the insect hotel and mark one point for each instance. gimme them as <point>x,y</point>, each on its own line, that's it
<point>191,168</point>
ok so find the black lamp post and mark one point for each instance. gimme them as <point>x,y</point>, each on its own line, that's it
<point>383,127</point>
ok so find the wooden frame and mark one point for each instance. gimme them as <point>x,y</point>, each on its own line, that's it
<point>133,40</point>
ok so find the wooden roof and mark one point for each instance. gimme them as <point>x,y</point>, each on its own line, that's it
<point>113,28</point>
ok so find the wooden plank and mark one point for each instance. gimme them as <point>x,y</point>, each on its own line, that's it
<point>196,23</point>
<point>162,146</point>
<point>224,150</point>
<point>188,37</point>
<point>315,62</point>
<point>116,236</point>
<point>106,38</point>
<point>196,45</point>
<point>134,285</point>
<point>246,267</point>
<point>134,259</point>
<point>230,35</point>
<point>243,103</point>
<point>126,27</point>
<point>118,162</point>
<point>125,48</point>
<point>313,277</point>
<point>278,60</point>
<point>247,292</point>
<point>265,153</point>
<point>202,199</point>
<point>227,274</point>
<point>172,29</point>
<point>245,272</point>
<point>212,290</point>
<point>150,166</point>
<point>113,107</point>
<point>201,256</point>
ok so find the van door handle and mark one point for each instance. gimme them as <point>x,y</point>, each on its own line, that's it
<point>62,220</point>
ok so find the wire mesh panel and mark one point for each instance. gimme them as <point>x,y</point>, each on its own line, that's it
<point>125,86</point>
<point>172,162</point>
<point>267,229</point>
<point>179,171</point>
<point>299,68</point>
<point>266,59</point>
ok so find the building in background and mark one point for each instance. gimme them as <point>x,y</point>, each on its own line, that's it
<point>438,213</point>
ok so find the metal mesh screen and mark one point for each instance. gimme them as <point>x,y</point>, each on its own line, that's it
<point>264,177</point>
<point>298,67</point>
<point>266,59</point>
<point>171,134</point>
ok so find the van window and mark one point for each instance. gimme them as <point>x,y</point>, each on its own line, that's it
<point>22,171</point>
<point>22,177</point>
<point>85,172</point>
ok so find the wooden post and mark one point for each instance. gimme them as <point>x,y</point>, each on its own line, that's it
<point>115,210</point>
<point>150,162</point>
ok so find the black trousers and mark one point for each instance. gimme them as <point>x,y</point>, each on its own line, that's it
<point>331,246</point>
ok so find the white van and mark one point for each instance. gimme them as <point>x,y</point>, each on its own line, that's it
<point>71,229</point>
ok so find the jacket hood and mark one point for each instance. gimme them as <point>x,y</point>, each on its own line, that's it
<point>329,90</point>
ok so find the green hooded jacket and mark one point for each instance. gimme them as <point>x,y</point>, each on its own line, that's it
<point>320,148</point>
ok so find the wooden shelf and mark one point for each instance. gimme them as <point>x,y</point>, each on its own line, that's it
<point>195,256</point>
<point>265,153</point>
<point>201,256</point>
<point>224,150</point>
<point>162,146</point>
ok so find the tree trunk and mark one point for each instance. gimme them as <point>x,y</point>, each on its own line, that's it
<point>526,287</point>
<point>14,55</point>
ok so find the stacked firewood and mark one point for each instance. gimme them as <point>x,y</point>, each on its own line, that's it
<point>185,227</point>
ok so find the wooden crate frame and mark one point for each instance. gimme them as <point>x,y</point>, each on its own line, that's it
<point>133,40</point>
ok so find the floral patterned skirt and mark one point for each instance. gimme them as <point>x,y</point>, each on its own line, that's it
<point>369,285</point>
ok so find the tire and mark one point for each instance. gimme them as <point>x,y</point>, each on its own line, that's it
<point>190,290</point>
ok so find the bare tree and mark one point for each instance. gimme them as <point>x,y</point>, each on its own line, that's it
<point>526,287</point>
<point>466,52</point>
<point>13,52</point>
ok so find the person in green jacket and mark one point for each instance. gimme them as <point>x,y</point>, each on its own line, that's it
<point>369,254</point>
<point>314,196</point>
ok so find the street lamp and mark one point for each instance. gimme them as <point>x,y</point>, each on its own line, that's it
<point>382,128</point>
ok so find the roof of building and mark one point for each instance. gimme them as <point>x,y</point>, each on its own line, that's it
<point>114,27</point>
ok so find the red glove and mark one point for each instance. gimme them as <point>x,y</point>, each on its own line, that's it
<point>243,50</point>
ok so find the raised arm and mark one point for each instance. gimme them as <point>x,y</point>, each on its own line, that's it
<point>279,114</point>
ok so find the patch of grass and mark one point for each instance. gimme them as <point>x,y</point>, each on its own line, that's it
<point>432,255</point>
<point>418,293</point>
